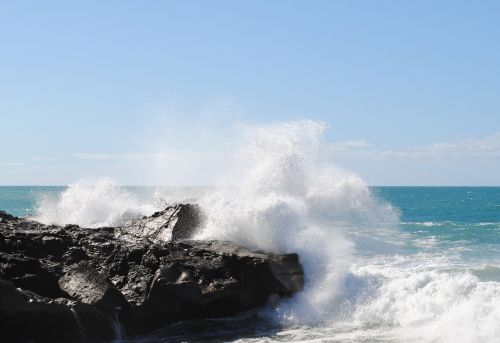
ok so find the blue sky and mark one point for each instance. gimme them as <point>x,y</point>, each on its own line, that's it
<point>409,89</point>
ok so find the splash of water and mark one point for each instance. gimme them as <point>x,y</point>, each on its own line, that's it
<point>290,200</point>
<point>117,326</point>
<point>79,324</point>
<point>417,303</point>
<point>91,204</point>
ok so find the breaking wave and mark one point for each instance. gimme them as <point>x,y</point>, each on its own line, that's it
<point>366,279</point>
<point>292,199</point>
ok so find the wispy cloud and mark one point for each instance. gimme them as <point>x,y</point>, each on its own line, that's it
<point>350,145</point>
<point>146,155</point>
<point>106,156</point>
<point>12,164</point>
<point>462,148</point>
<point>461,161</point>
<point>45,159</point>
<point>455,161</point>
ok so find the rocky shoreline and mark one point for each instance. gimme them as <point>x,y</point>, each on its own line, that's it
<point>73,284</point>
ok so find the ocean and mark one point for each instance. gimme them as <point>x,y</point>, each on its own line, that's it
<point>383,264</point>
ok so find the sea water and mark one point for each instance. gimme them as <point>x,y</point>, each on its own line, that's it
<point>382,264</point>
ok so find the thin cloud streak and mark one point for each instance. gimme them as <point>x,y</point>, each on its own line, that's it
<point>454,162</point>
<point>145,156</point>
<point>465,148</point>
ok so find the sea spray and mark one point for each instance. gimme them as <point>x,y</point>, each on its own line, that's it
<point>118,328</point>
<point>359,285</point>
<point>79,324</point>
<point>290,199</point>
<point>92,203</point>
<point>414,302</point>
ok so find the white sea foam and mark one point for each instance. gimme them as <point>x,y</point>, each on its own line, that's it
<point>89,203</point>
<point>432,306</point>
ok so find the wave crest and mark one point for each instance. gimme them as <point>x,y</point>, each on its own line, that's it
<point>291,199</point>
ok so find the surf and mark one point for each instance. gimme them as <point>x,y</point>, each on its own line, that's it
<point>367,279</point>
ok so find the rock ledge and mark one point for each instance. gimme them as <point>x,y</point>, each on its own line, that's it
<point>73,284</point>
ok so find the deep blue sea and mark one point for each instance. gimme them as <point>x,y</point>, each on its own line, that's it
<point>421,265</point>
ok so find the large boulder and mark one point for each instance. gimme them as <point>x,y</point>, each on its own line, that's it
<point>88,286</point>
<point>37,275</point>
<point>24,316</point>
<point>172,224</point>
<point>4,216</point>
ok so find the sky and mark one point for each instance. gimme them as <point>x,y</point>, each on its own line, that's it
<point>409,90</point>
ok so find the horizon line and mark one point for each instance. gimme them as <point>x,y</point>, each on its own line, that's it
<point>213,186</point>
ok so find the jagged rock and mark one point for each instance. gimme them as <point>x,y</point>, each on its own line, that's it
<point>275,272</point>
<point>4,216</point>
<point>31,273</point>
<point>88,286</point>
<point>27,317</point>
<point>172,224</point>
<point>81,276</point>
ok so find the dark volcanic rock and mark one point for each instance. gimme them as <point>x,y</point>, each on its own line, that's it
<point>146,274</point>
<point>26,317</point>
<point>174,223</point>
<point>5,216</point>
<point>88,286</point>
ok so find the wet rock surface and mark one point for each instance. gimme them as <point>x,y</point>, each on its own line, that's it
<point>72,284</point>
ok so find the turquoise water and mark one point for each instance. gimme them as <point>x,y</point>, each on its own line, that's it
<point>454,217</point>
<point>465,205</point>
<point>22,200</point>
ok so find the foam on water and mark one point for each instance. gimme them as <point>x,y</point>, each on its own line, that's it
<point>419,302</point>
